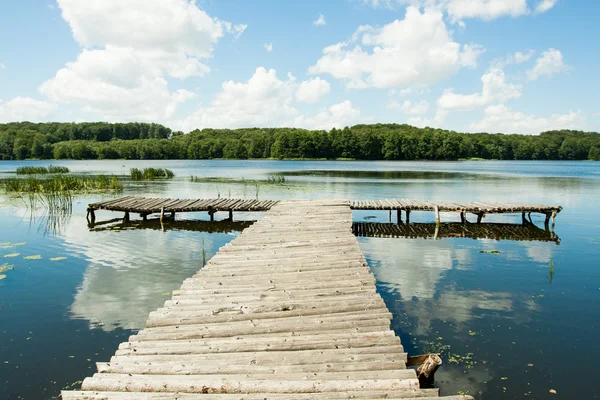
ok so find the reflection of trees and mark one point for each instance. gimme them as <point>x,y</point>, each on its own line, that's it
<point>131,272</point>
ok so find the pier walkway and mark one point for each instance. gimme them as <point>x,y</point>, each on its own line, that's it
<point>287,310</point>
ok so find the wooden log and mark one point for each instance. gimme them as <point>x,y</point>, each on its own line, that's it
<point>426,371</point>
<point>437,215</point>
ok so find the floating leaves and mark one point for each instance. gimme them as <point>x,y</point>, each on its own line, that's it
<point>35,257</point>
<point>2,277</point>
<point>552,391</point>
<point>166,294</point>
<point>12,255</point>
<point>489,251</point>
<point>58,258</point>
<point>6,267</point>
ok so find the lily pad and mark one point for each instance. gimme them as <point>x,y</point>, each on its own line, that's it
<point>2,277</point>
<point>12,255</point>
<point>6,267</point>
<point>58,258</point>
<point>36,257</point>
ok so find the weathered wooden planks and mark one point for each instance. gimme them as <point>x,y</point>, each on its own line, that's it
<point>287,310</point>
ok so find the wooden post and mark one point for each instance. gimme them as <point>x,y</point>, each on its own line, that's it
<point>212,215</point>
<point>437,231</point>
<point>463,217</point>
<point>126,217</point>
<point>87,216</point>
<point>407,215</point>
<point>437,215</point>
<point>523,219</point>
<point>399,216</point>
<point>390,216</point>
<point>144,216</point>
<point>92,216</point>
<point>162,214</point>
<point>231,215</point>
<point>480,217</point>
<point>172,215</point>
<point>553,217</point>
<point>547,221</point>
<point>426,371</point>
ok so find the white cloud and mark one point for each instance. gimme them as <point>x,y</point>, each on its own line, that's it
<point>518,57</point>
<point>320,21</point>
<point>25,109</point>
<point>130,47</point>
<point>500,118</point>
<point>268,47</point>
<point>235,30</point>
<point>462,9</point>
<point>337,116</point>
<point>416,51</point>
<point>436,122</point>
<point>545,5</point>
<point>549,63</point>
<point>312,90</point>
<point>264,100</point>
<point>485,9</point>
<point>119,84</point>
<point>494,88</point>
<point>410,108</point>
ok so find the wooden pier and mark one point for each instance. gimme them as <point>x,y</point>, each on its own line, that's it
<point>287,310</point>
<point>146,206</point>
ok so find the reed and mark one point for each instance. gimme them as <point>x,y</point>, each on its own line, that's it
<point>51,169</point>
<point>151,173</point>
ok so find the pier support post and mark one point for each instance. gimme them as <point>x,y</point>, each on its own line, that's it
<point>523,219</point>
<point>162,214</point>
<point>231,215</point>
<point>426,371</point>
<point>547,221</point>
<point>126,216</point>
<point>92,215</point>
<point>144,216</point>
<point>463,217</point>
<point>553,217</point>
<point>408,215</point>
<point>399,216</point>
<point>211,213</point>
<point>437,215</point>
<point>173,215</point>
<point>480,217</point>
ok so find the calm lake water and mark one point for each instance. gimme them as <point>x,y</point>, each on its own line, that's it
<point>511,325</point>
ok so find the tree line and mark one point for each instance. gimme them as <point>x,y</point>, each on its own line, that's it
<point>101,140</point>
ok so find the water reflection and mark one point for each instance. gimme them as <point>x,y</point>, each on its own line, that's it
<point>133,267</point>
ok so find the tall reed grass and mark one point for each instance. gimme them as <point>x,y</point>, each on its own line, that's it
<point>51,169</point>
<point>151,173</point>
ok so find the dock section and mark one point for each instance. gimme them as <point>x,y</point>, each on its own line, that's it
<point>287,310</point>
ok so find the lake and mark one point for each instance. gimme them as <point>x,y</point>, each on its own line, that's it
<point>513,324</point>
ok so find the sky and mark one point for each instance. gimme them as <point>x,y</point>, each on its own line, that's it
<point>512,66</point>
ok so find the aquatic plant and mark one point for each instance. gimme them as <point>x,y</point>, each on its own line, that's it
<point>276,179</point>
<point>151,173</point>
<point>51,169</point>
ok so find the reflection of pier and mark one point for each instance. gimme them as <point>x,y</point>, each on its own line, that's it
<point>526,232</point>
<point>225,226</point>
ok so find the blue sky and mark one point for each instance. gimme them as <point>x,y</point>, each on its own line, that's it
<point>521,66</point>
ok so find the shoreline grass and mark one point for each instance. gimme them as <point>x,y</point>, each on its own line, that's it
<point>150,173</point>
<point>51,169</point>
<point>271,180</point>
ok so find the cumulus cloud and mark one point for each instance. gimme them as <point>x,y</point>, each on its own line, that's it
<point>320,21</point>
<point>458,10</point>
<point>545,5</point>
<point>268,47</point>
<point>436,122</point>
<point>410,108</point>
<point>416,51</point>
<point>549,63</point>
<point>264,100</point>
<point>129,49</point>
<point>500,118</point>
<point>518,57</point>
<point>25,109</point>
<point>337,116</point>
<point>267,101</point>
<point>494,88</point>
<point>312,90</point>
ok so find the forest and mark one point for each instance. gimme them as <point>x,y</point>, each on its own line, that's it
<point>100,140</point>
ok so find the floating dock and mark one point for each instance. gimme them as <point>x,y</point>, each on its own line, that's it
<point>146,206</point>
<point>287,310</point>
